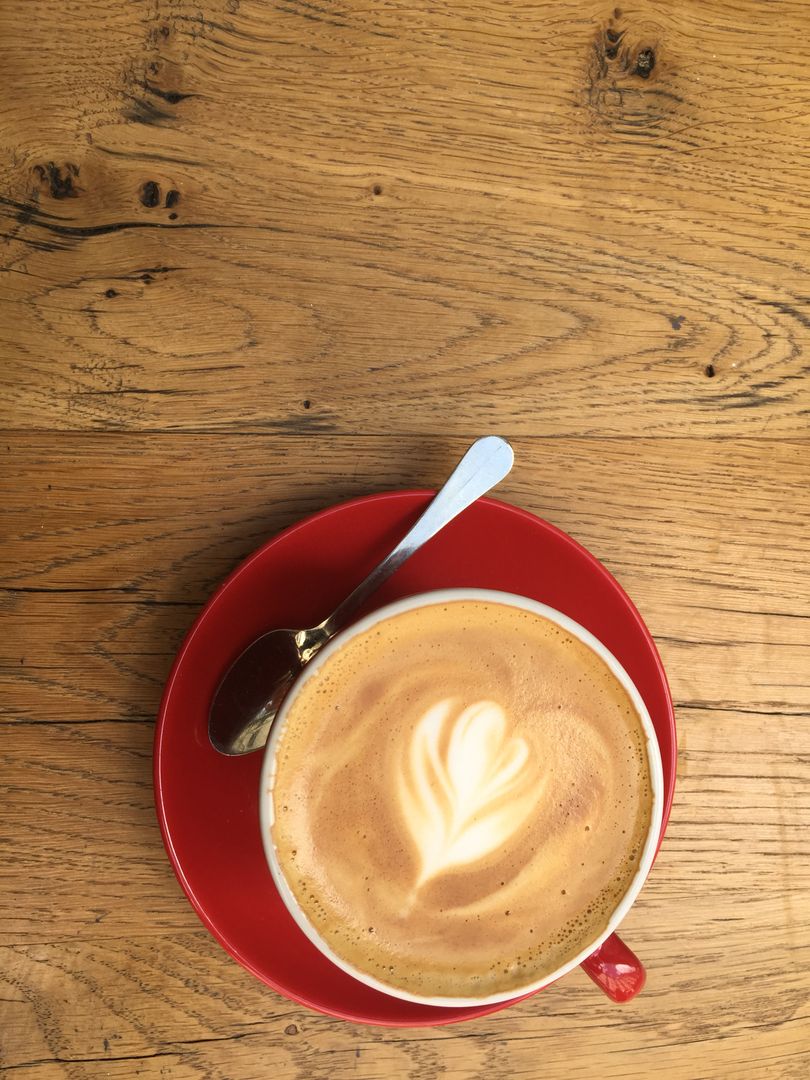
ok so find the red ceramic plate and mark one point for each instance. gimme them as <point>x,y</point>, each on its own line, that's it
<point>207,804</point>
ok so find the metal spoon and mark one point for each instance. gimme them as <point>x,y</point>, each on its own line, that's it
<point>249,696</point>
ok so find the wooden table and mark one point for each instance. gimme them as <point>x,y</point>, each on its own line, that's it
<point>258,257</point>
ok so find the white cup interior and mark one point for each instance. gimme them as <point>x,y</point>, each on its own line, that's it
<point>441,596</point>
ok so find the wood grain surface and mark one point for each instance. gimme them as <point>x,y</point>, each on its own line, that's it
<point>256,257</point>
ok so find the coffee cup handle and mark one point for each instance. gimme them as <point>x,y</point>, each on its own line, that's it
<point>615,969</point>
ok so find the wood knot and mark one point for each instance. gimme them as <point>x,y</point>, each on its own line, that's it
<point>58,179</point>
<point>623,57</point>
<point>645,62</point>
<point>150,194</point>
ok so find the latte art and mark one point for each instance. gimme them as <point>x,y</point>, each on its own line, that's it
<point>464,796</point>
<point>461,797</point>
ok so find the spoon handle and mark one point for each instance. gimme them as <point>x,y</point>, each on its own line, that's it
<point>484,465</point>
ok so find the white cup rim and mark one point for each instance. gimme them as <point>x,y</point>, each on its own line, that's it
<point>427,599</point>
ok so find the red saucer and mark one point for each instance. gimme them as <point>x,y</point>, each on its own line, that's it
<point>207,804</point>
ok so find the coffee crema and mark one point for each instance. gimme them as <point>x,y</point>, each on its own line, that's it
<point>461,798</point>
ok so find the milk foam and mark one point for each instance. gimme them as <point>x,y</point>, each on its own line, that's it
<point>462,795</point>
<point>465,795</point>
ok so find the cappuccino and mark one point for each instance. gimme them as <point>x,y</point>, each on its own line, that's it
<point>461,798</point>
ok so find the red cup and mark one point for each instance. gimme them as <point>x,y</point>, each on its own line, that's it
<point>607,960</point>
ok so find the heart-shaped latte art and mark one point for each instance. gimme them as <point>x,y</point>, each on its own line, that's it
<point>464,795</point>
